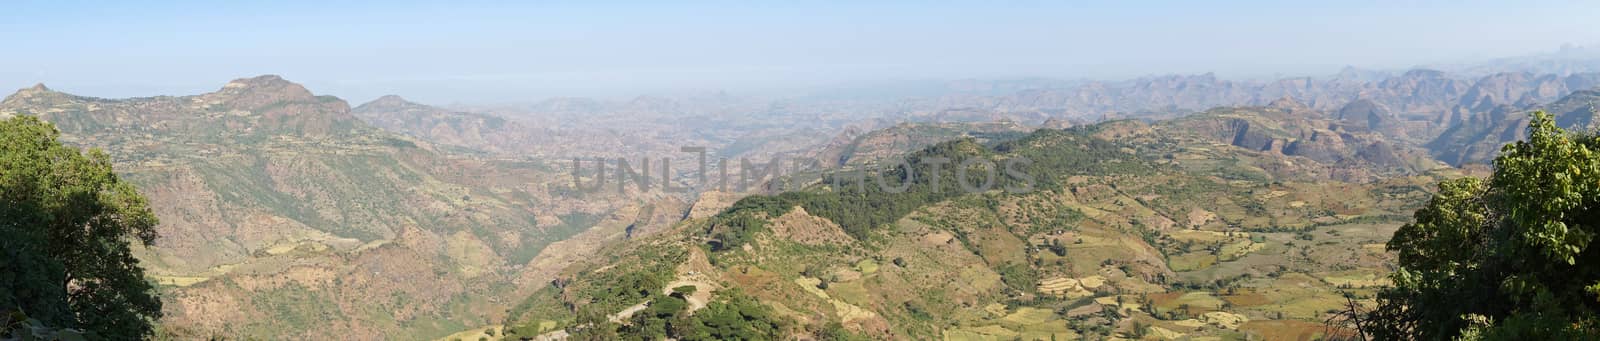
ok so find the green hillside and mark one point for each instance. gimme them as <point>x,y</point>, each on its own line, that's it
<point>1128,231</point>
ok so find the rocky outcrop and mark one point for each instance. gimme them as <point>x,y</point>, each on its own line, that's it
<point>1323,146</point>
<point>1342,143</point>
<point>1368,115</point>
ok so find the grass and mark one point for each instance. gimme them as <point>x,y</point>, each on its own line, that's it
<point>1355,278</point>
<point>1284,330</point>
<point>1025,316</point>
<point>983,333</point>
<point>1191,261</point>
<point>851,292</point>
<point>1197,301</point>
<point>867,266</point>
<point>178,281</point>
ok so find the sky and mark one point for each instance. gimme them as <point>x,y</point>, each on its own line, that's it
<point>503,52</point>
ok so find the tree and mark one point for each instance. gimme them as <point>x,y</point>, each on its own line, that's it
<point>66,220</point>
<point>1057,248</point>
<point>740,318</point>
<point>1507,257</point>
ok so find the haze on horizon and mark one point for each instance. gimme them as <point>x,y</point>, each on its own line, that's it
<point>490,52</point>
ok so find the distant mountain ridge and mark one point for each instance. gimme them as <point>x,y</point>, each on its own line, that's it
<point>454,128</point>
<point>248,107</point>
<point>1419,94</point>
<point>1420,106</point>
<point>1569,59</point>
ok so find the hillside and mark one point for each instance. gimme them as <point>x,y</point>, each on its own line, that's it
<point>1133,229</point>
<point>285,216</point>
<point>451,128</point>
<point>1478,139</point>
<point>855,148</point>
<point>397,218</point>
<point>1343,145</point>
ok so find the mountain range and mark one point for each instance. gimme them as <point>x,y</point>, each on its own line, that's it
<point>1201,206</point>
<point>284,215</point>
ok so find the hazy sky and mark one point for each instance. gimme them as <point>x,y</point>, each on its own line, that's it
<point>503,51</point>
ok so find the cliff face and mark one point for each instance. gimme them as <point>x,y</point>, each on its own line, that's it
<point>1344,141</point>
<point>1371,116</point>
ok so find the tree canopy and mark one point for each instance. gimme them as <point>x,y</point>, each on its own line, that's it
<point>66,226</point>
<point>1506,257</point>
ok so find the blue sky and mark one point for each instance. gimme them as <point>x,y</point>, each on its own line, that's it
<point>480,51</point>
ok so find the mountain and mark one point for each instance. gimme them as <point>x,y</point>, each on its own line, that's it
<point>283,215</point>
<point>1414,107</point>
<point>1195,206</point>
<point>453,128</point>
<point>1424,103</point>
<point>1341,145</point>
<point>1172,229</point>
<point>854,148</point>
<point>1570,59</point>
<point>1479,137</point>
<point>243,109</point>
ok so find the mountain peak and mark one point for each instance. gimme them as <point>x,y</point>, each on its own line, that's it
<point>263,90</point>
<point>1424,73</point>
<point>37,91</point>
<point>262,81</point>
<point>1288,103</point>
<point>390,100</point>
<point>267,84</point>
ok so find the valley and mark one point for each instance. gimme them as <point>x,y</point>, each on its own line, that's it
<point>1169,207</point>
<point>808,171</point>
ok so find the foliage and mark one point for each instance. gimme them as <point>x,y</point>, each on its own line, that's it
<point>739,318</point>
<point>19,327</point>
<point>65,223</point>
<point>733,230</point>
<point>857,202</point>
<point>1020,277</point>
<point>1507,257</point>
<point>587,297</point>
